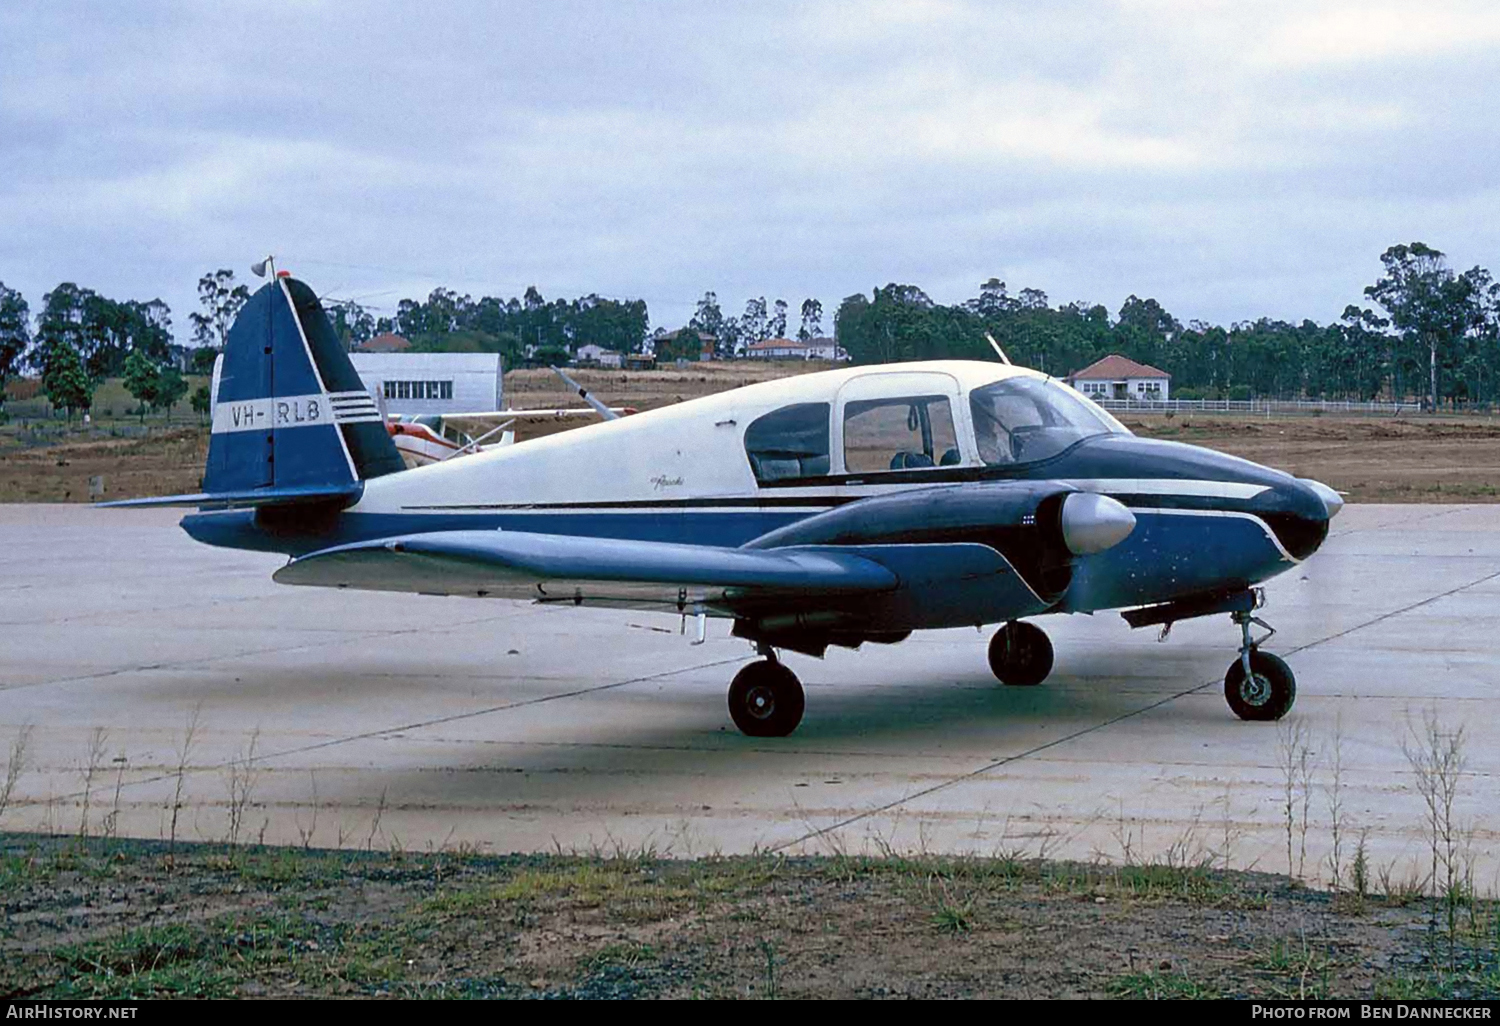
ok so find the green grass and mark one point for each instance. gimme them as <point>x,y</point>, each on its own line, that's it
<point>953,918</point>
<point>111,402</point>
<point>81,921</point>
<point>177,960</point>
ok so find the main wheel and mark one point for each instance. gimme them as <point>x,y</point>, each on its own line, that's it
<point>1269,691</point>
<point>1020,654</point>
<point>766,700</point>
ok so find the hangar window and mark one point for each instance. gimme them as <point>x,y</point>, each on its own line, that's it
<point>908,433</point>
<point>418,389</point>
<point>789,443</point>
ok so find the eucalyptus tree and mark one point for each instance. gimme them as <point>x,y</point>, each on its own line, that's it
<point>221,299</point>
<point>812,320</point>
<point>15,333</point>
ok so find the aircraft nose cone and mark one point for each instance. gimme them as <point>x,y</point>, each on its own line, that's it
<point>1092,523</point>
<point>1332,500</point>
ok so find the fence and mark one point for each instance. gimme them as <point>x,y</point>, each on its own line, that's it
<point>1268,407</point>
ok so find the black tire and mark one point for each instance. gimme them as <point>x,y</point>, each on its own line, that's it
<point>766,700</point>
<point>1020,654</point>
<point>1270,692</point>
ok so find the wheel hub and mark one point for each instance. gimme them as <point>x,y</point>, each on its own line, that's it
<point>1255,690</point>
<point>761,702</point>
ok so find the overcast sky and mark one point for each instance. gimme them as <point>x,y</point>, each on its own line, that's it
<point>1233,159</point>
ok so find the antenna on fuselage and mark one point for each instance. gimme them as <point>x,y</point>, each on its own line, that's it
<point>996,347</point>
<point>583,393</point>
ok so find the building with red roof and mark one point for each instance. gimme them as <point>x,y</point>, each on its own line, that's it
<point>1118,377</point>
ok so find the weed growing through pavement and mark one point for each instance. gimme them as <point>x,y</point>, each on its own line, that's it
<point>305,834</point>
<point>112,821</point>
<point>1296,763</point>
<point>1437,757</point>
<point>184,753</point>
<point>241,775</point>
<point>1359,870</point>
<point>375,821</point>
<point>98,737</point>
<point>1334,791</point>
<point>15,766</point>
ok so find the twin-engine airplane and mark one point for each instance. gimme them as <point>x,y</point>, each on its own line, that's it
<point>837,508</point>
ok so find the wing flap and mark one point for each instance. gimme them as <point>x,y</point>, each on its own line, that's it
<point>559,568</point>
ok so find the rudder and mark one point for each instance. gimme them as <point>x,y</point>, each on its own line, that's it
<point>291,413</point>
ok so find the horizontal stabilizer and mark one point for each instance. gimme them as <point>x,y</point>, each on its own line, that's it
<point>250,498</point>
<point>522,564</point>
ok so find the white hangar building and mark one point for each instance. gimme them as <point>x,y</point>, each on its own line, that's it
<point>429,383</point>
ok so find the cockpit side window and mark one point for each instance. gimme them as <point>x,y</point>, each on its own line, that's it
<point>789,443</point>
<point>1022,420</point>
<point>907,433</point>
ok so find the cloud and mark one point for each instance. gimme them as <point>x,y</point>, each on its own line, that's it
<point>1374,32</point>
<point>1234,160</point>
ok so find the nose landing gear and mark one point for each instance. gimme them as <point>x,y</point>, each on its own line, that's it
<point>1259,685</point>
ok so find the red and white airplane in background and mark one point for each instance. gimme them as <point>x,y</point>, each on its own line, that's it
<point>422,439</point>
<point>432,438</point>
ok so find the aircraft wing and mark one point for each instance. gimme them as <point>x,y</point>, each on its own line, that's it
<point>597,571</point>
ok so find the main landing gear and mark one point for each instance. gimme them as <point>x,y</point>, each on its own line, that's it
<point>1021,654</point>
<point>1259,685</point>
<point>765,698</point>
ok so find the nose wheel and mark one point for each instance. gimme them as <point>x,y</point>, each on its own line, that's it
<point>1259,685</point>
<point>1020,654</point>
<point>766,700</point>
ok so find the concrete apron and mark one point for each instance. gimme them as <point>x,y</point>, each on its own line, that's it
<point>387,721</point>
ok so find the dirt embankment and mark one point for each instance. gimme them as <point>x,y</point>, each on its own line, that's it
<point>167,461</point>
<point>1372,460</point>
<point>120,919</point>
<point>1409,459</point>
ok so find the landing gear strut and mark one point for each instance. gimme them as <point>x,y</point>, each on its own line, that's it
<point>765,698</point>
<point>1259,685</point>
<point>1020,654</point>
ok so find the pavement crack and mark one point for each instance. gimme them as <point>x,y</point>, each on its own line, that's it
<point>419,725</point>
<point>1095,728</point>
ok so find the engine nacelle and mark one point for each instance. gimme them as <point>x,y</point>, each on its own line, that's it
<point>1039,527</point>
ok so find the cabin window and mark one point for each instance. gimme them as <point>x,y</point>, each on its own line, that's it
<point>908,433</point>
<point>1024,419</point>
<point>789,443</point>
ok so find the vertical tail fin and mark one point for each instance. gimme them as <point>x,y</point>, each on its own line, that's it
<point>291,414</point>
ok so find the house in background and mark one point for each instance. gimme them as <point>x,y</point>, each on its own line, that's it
<point>597,356</point>
<point>386,343</point>
<point>1119,378</point>
<point>670,345</point>
<point>791,349</point>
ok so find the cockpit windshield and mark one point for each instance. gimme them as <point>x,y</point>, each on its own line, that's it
<point>1025,419</point>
